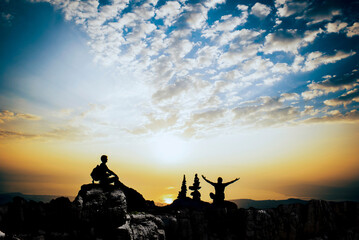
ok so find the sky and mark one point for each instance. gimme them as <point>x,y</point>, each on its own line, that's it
<point>267,91</point>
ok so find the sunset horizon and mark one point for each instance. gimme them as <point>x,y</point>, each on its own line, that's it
<point>265,91</point>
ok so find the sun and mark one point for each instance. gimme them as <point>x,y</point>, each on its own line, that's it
<point>167,198</point>
<point>169,149</point>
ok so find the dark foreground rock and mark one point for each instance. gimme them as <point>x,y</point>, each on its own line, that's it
<point>99,213</point>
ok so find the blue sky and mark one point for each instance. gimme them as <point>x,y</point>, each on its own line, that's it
<point>221,57</point>
<point>116,70</point>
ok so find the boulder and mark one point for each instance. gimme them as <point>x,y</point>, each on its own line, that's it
<point>101,207</point>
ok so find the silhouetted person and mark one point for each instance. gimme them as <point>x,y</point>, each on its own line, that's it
<point>218,196</point>
<point>106,176</point>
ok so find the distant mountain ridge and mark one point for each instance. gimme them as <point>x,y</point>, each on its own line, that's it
<point>241,203</point>
<point>265,204</point>
<point>7,197</point>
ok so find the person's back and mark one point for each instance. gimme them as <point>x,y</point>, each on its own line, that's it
<point>219,188</point>
<point>103,175</point>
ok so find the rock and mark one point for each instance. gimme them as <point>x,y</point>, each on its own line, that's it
<point>142,226</point>
<point>135,200</point>
<point>105,208</point>
<point>188,203</point>
<point>102,213</point>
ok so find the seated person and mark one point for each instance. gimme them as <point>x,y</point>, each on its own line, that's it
<point>105,175</point>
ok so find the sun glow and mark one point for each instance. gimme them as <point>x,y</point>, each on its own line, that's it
<point>170,149</point>
<point>167,198</point>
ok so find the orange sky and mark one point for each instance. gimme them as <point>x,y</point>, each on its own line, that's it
<point>266,160</point>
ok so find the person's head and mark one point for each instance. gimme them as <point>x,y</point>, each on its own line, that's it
<point>104,158</point>
<point>219,180</point>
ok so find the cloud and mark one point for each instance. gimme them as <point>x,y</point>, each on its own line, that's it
<point>222,31</point>
<point>172,90</point>
<point>353,30</point>
<point>309,111</point>
<point>331,84</point>
<point>195,15</point>
<point>320,11</point>
<point>345,99</point>
<point>155,124</point>
<point>260,10</point>
<point>336,26</point>
<point>336,116</point>
<point>315,59</point>
<point>213,3</point>
<point>6,115</point>
<point>288,97</point>
<point>282,40</point>
<point>237,54</point>
<point>200,69</point>
<point>288,40</point>
<point>336,83</point>
<point>7,134</point>
<point>208,116</point>
<point>169,12</point>
<point>308,95</point>
<point>265,111</point>
<point>286,8</point>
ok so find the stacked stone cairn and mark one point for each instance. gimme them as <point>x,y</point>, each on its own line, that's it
<point>196,195</point>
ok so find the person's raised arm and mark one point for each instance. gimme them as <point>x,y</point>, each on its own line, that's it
<point>231,181</point>
<point>207,180</point>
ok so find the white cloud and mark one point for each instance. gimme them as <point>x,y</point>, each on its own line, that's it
<point>213,3</point>
<point>195,15</point>
<point>336,26</point>
<point>353,30</point>
<point>242,7</point>
<point>288,97</point>
<point>206,56</point>
<point>335,83</point>
<point>309,111</point>
<point>336,116</point>
<point>199,72</point>
<point>169,12</point>
<point>260,10</point>
<point>286,8</point>
<point>237,54</point>
<point>288,40</point>
<point>345,99</point>
<point>308,95</point>
<point>265,111</point>
<point>315,59</point>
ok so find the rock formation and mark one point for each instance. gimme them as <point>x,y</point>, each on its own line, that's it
<point>196,195</point>
<point>99,213</point>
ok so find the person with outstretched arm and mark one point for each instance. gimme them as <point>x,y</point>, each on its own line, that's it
<point>218,196</point>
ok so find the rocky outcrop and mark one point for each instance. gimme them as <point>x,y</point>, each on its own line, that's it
<point>142,226</point>
<point>103,213</point>
<point>101,207</point>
